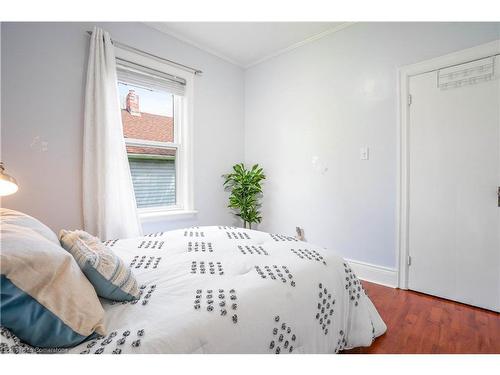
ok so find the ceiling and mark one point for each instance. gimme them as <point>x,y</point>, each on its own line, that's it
<point>247,43</point>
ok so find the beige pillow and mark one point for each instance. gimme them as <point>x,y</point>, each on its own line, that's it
<point>46,299</point>
<point>18,218</point>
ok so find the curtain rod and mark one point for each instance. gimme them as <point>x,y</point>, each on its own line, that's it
<point>162,59</point>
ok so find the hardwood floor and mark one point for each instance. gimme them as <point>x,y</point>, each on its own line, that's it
<point>419,323</point>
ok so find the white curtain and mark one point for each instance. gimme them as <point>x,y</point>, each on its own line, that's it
<point>109,207</point>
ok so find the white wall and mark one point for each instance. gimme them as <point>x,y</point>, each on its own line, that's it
<point>327,99</point>
<point>43,76</point>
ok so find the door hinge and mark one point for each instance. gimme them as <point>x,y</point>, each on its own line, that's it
<point>409,99</point>
<point>408,260</point>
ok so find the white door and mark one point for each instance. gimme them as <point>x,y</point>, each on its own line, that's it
<point>454,177</point>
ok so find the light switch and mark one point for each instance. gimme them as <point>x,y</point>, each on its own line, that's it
<point>364,153</point>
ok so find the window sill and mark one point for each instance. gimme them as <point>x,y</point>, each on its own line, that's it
<point>164,215</point>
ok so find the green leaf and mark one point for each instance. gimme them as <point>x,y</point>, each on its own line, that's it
<point>245,190</point>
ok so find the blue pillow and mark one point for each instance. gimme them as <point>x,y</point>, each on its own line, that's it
<point>111,278</point>
<point>32,322</point>
<point>43,310</point>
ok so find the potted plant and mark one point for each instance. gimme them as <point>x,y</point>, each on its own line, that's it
<point>246,190</point>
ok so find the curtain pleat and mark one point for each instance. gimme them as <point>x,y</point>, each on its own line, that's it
<point>109,206</point>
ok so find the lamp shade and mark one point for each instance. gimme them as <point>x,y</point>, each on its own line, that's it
<point>8,184</point>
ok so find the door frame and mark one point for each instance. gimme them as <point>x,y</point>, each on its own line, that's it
<point>402,205</point>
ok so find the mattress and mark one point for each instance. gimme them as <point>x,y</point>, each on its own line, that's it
<point>222,289</point>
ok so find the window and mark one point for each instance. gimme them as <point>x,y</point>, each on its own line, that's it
<point>155,116</point>
<point>148,128</point>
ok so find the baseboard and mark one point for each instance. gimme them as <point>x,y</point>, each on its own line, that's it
<point>375,274</point>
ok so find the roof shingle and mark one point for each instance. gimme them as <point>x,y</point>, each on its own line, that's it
<point>148,127</point>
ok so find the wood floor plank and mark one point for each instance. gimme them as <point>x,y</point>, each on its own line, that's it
<point>419,323</point>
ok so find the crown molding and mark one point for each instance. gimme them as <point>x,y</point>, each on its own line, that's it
<point>159,26</point>
<point>301,43</point>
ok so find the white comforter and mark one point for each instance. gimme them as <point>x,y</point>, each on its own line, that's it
<point>231,290</point>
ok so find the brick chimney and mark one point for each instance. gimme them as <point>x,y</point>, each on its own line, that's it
<point>132,103</point>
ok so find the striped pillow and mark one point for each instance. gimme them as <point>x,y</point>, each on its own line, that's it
<point>111,278</point>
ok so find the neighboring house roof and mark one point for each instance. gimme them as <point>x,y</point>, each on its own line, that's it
<point>149,127</point>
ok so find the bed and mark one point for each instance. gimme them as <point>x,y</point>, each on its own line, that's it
<point>222,289</point>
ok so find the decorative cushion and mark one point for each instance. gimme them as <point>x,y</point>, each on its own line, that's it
<point>111,278</point>
<point>45,298</point>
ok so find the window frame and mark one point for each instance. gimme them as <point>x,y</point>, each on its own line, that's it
<point>183,119</point>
